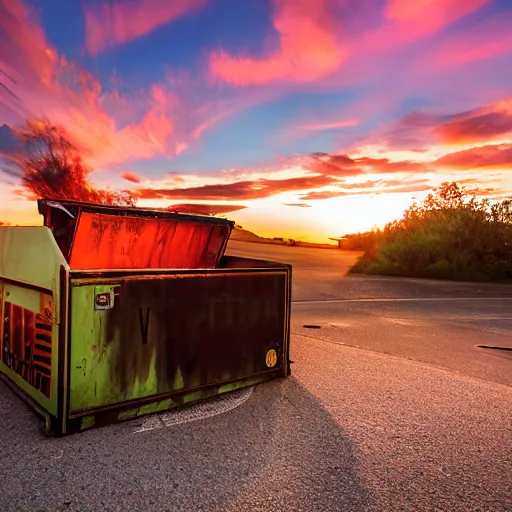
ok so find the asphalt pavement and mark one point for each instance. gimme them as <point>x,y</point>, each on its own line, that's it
<point>391,406</point>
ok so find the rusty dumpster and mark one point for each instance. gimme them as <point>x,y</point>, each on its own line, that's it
<point>111,313</point>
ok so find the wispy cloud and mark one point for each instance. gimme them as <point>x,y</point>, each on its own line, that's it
<point>113,124</point>
<point>479,125</point>
<point>488,38</point>
<point>332,125</point>
<point>255,189</point>
<point>484,157</point>
<point>428,132</point>
<point>114,23</point>
<point>329,175</point>
<point>370,187</point>
<point>376,57</point>
<point>429,16</point>
<point>320,38</point>
<point>298,205</point>
<point>345,165</point>
<point>131,176</point>
<point>308,47</point>
<point>206,209</point>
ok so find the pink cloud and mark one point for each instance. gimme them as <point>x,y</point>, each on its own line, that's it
<point>383,49</point>
<point>420,130</point>
<point>360,47</point>
<point>334,125</point>
<point>118,22</point>
<point>479,125</point>
<point>343,165</point>
<point>485,157</point>
<point>410,21</point>
<point>428,16</point>
<point>206,209</point>
<point>371,187</point>
<point>111,126</point>
<point>308,48</point>
<point>487,39</point>
<point>336,175</point>
<point>248,189</point>
<point>131,176</point>
<point>414,131</point>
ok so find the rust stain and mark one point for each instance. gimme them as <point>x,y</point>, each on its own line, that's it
<point>209,327</point>
<point>111,242</point>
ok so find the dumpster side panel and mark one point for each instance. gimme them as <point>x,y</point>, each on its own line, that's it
<point>28,336</point>
<point>30,262</point>
<point>30,255</point>
<point>175,334</point>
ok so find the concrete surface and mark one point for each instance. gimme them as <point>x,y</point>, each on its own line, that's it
<point>390,407</point>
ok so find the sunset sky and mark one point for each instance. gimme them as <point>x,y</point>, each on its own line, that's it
<point>307,119</point>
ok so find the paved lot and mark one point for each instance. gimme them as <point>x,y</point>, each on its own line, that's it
<point>391,407</point>
<point>436,322</point>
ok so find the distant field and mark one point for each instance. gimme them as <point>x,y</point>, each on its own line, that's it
<point>244,235</point>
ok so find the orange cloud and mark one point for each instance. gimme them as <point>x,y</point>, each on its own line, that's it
<point>308,48</point>
<point>206,209</point>
<point>250,189</point>
<point>422,131</point>
<point>51,87</point>
<point>344,165</point>
<point>101,122</point>
<point>370,187</point>
<point>298,205</point>
<point>486,157</point>
<point>478,125</point>
<point>115,23</point>
<point>131,176</point>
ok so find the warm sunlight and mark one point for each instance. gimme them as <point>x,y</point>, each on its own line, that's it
<point>306,134</point>
<point>255,255</point>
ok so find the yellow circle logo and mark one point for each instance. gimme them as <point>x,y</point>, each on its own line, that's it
<point>271,358</point>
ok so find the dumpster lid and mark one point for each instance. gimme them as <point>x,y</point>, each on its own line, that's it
<point>97,236</point>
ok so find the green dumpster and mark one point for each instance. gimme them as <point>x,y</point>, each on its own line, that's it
<point>112,313</point>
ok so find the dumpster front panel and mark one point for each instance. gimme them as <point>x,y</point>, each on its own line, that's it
<point>135,337</point>
<point>32,274</point>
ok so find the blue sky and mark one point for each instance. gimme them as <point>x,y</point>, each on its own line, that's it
<point>217,91</point>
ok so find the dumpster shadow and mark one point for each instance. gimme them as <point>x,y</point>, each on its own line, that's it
<point>280,451</point>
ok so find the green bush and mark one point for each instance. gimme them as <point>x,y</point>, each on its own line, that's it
<point>451,235</point>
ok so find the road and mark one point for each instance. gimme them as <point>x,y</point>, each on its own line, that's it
<point>436,322</point>
<point>391,406</point>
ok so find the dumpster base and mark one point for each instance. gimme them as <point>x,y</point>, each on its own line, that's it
<point>126,411</point>
<point>154,405</point>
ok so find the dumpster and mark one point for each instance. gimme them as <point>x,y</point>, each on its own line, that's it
<point>111,313</point>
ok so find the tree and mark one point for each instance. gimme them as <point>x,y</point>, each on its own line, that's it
<point>52,167</point>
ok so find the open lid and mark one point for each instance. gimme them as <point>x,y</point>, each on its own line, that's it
<point>93,236</point>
